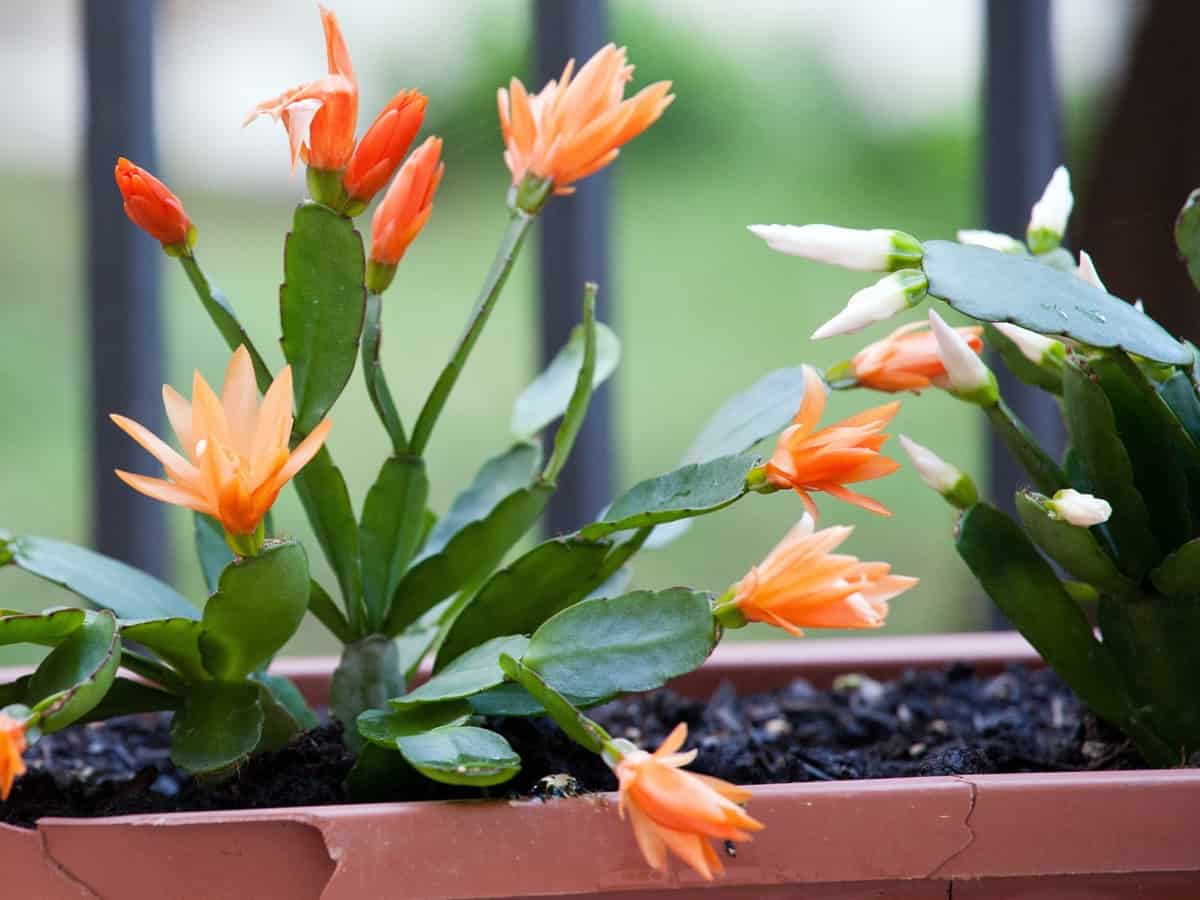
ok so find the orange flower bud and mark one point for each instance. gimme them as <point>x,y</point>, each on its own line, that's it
<point>808,460</point>
<point>802,583</point>
<point>407,204</point>
<point>152,207</point>
<point>383,146</point>
<point>907,359</point>
<point>12,745</point>
<point>576,126</point>
<point>682,811</point>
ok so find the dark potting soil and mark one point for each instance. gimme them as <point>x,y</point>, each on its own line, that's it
<point>948,722</point>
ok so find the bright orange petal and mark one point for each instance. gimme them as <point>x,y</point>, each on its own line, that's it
<point>166,492</point>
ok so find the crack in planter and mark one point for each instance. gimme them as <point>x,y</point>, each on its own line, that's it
<point>974,789</point>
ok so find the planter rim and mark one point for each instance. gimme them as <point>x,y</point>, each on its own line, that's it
<point>877,832</point>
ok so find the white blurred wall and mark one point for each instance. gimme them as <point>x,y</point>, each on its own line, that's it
<point>216,58</point>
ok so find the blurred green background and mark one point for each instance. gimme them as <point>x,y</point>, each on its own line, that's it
<point>703,308</point>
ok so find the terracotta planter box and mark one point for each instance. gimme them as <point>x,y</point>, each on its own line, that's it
<point>1062,836</point>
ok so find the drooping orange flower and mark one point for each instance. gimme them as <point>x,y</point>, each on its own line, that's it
<point>320,116</point>
<point>235,456</point>
<point>576,126</point>
<point>907,359</point>
<point>12,745</point>
<point>407,204</point>
<point>802,583</point>
<point>681,811</point>
<point>384,145</point>
<point>152,206</point>
<point>807,460</point>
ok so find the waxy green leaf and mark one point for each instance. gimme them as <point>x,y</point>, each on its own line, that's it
<point>126,697</point>
<point>322,303</point>
<point>484,522</point>
<point>693,490</point>
<point>548,395</point>
<point>575,724</point>
<point>257,608</point>
<point>636,642</point>
<point>523,595</point>
<point>1020,365</point>
<point>475,670</point>
<point>1106,466</point>
<point>383,726</point>
<point>45,628</point>
<point>1179,574</point>
<point>1187,235</point>
<point>392,525</point>
<point>176,641</point>
<point>109,584</point>
<point>461,754</point>
<point>1003,287</point>
<point>76,674</point>
<point>1075,549</point>
<point>767,406</point>
<point>1028,592</point>
<point>581,396</point>
<point>212,551</point>
<point>219,725</point>
<point>287,695</point>
<point>322,491</point>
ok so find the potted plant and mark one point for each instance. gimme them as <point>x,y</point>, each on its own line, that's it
<point>451,641</point>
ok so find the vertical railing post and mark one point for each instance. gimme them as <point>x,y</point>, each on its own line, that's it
<point>574,249</point>
<point>125,336</point>
<point>1021,147</point>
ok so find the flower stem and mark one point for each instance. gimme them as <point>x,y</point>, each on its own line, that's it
<point>506,255</point>
<point>377,386</point>
<point>1047,476</point>
<point>217,305</point>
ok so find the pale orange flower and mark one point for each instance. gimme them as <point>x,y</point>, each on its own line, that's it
<point>576,126</point>
<point>320,116</point>
<point>236,458</point>
<point>152,206</point>
<point>677,810</point>
<point>12,745</point>
<point>807,460</point>
<point>406,206</point>
<point>384,145</point>
<point>908,359</point>
<point>802,583</point>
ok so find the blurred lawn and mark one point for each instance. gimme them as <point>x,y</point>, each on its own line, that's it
<point>703,308</point>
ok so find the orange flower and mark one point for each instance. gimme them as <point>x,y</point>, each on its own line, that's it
<point>907,359</point>
<point>407,204</point>
<point>802,583</point>
<point>384,145</point>
<point>827,460</point>
<point>670,808</point>
<point>575,127</point>
<point>12,745</point>
<point>152,207</point>
<point>320,116</point>
<point>236,458</point>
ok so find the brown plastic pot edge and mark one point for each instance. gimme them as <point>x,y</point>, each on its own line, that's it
<point>1072,835</point>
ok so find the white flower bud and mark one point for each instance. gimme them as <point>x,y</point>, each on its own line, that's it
<point>1037,348</point>
<point>966,375</point>
<point>882,300</point>
<point>1048,219</point>
<point>1082,510</point>
<point>993,240</point>
<point>874,250</point>
<point>1087,271</point>
<point>944,478</point>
